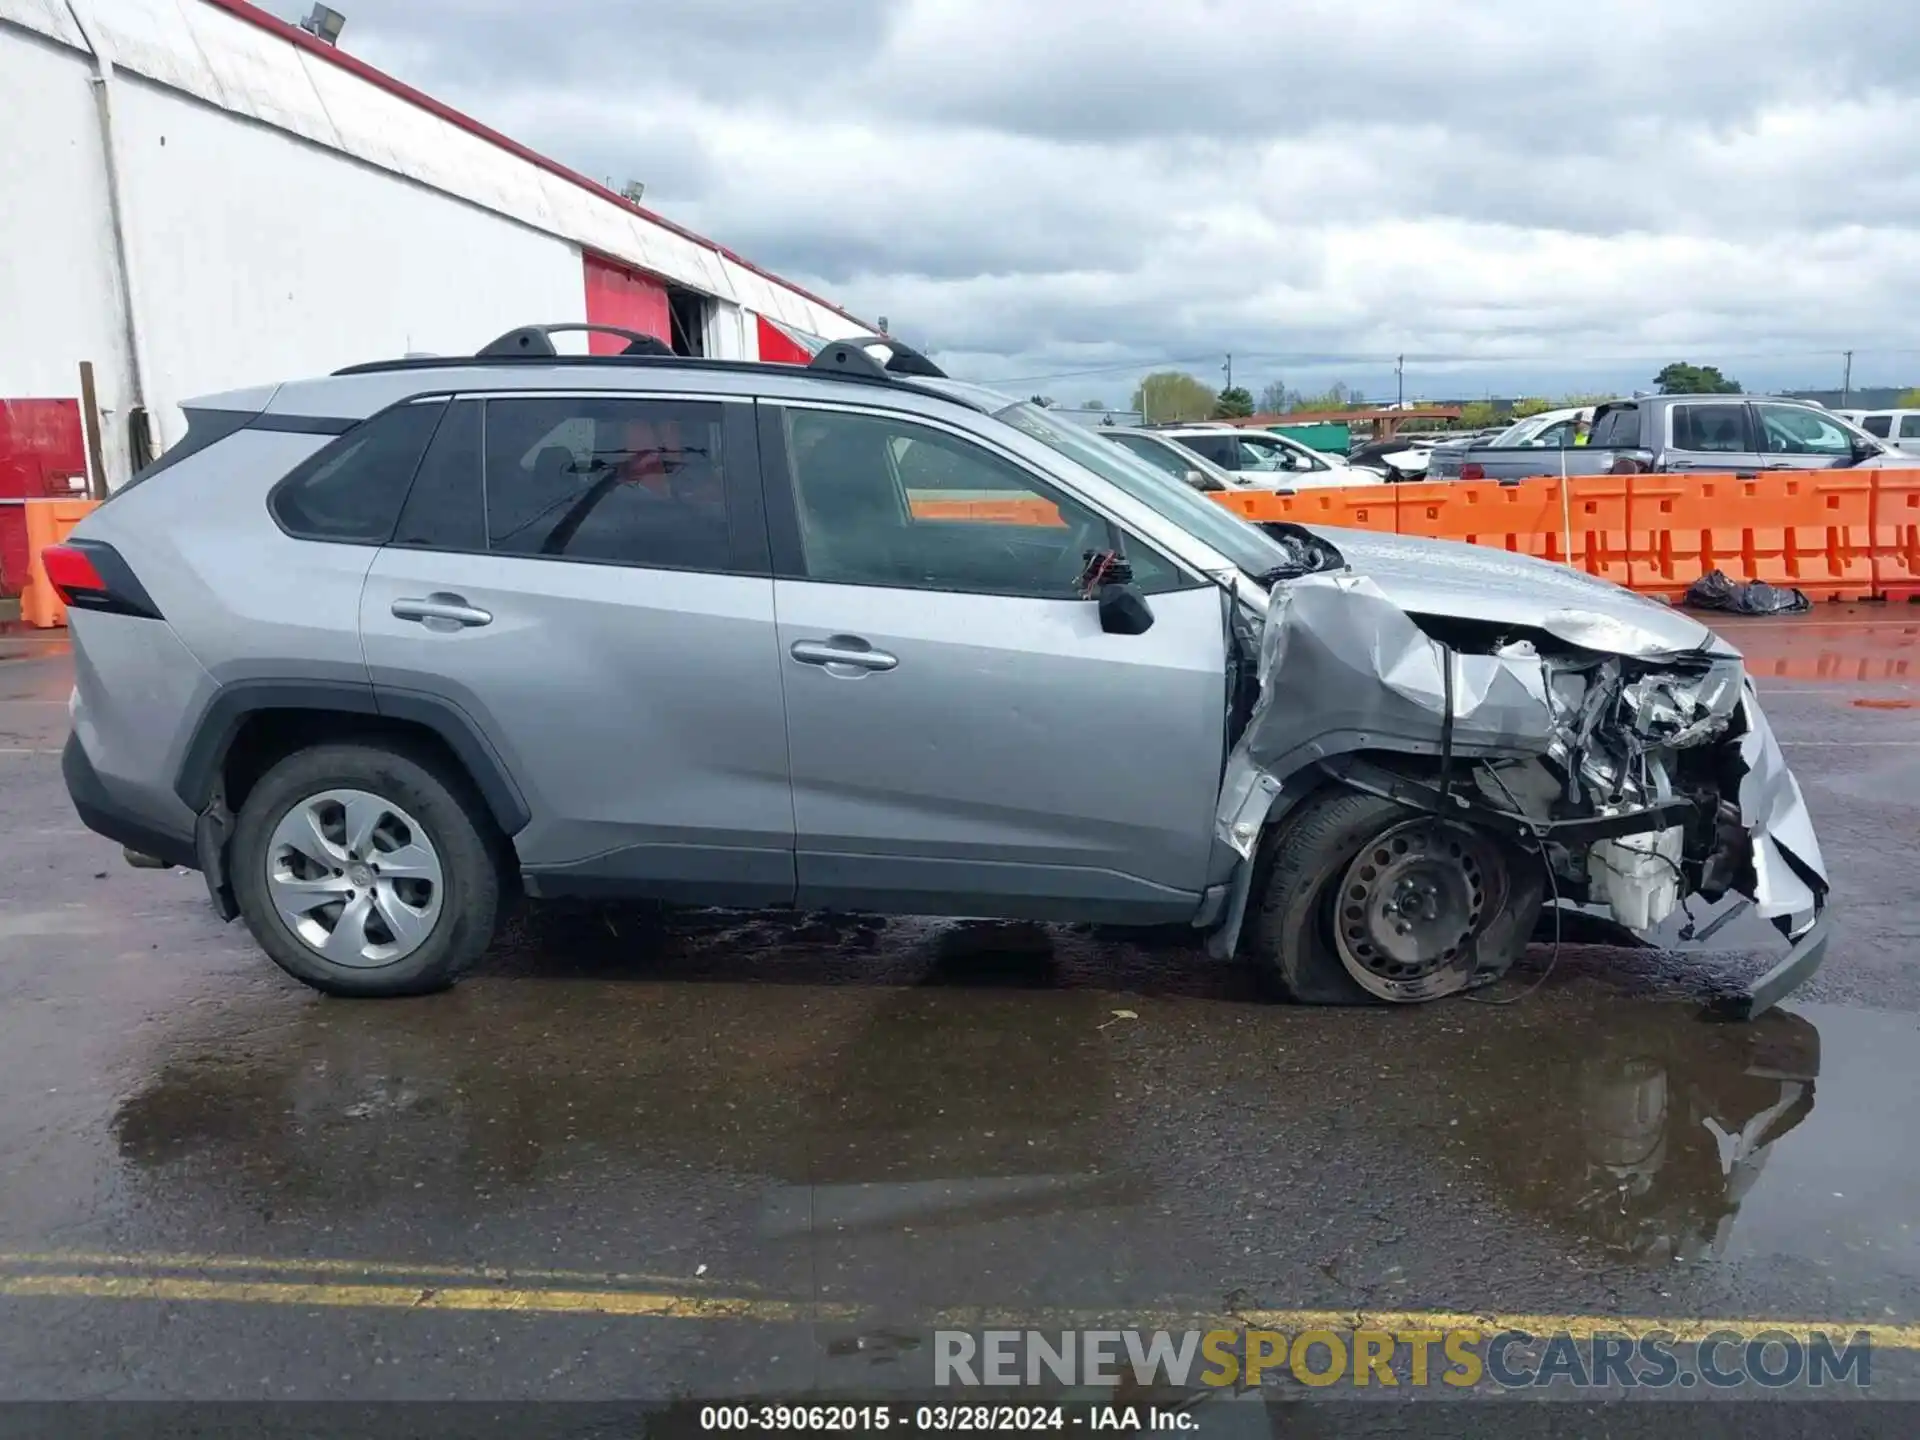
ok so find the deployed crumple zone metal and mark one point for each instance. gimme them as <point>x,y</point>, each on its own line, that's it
<point>1635,772</point>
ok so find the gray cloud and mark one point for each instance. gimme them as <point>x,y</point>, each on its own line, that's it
<point>1495,190</point>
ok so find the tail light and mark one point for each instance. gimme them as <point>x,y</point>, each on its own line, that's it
<point>91,575</point>
<point>1473,471</point>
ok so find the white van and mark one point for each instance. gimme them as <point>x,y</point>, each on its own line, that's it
<point>1899,428</point>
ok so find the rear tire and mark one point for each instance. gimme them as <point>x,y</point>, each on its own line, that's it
<point>310,845</point>
<point>1296,896</point>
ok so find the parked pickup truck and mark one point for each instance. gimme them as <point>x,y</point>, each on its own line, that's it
<point>1687,432</point>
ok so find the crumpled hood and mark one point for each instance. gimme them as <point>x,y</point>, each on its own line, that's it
<point>1445,577</point>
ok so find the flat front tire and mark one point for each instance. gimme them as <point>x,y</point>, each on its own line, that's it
<point>1358,900</point>
<point>363,871</point>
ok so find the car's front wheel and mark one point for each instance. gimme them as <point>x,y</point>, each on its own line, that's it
<point>362,871</point>
<point>1358,900</point>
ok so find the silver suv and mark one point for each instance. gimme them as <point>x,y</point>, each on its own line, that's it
<point>380,652</point>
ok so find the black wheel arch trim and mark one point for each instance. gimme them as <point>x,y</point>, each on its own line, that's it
<point>197,780</point>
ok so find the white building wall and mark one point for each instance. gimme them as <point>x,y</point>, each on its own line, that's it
<point>59,292</point>
<point>301,261</point>
<point>284,216</point>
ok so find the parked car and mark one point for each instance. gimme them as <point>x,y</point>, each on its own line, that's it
<point>1172,458</point>
<point>379,652</point>
<point>1900,428</point>
<point>1694,432</point>
<point>1265,460</point>
<point>1549,430</point>
<point>1394,458</point>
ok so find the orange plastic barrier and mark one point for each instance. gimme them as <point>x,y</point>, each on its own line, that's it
<point>1355,507</point>
<point>48,523</point>
<point>1836,534</point>
<point>1896,535</point>
<point>1524,517</point>
<point>1811,529</point>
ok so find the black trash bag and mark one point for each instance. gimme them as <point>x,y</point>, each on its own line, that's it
<point>1714,591</point>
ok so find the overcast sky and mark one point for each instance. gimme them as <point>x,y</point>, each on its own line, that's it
<point>1520,195</point>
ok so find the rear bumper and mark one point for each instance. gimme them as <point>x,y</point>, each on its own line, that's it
<point>104,815</point>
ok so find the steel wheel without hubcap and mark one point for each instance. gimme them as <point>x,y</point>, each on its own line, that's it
<point>355,877</point>
<point>1411,906</point>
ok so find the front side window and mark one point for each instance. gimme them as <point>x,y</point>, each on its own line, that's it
<point>1879,425</point>
<point>352,490</point>
<point>608,479</point>
<point>1710,428</point>
<point>1795,430</point>
<point>869,513</point>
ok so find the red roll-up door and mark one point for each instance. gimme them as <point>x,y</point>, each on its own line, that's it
<point>631,299</point>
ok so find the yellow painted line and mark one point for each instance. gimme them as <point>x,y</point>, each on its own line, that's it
<point>362,1269</point>
<point>660,1305</point>
<point>377,1285</point>
<point>312,1294</point>
<point>1580,1327</point>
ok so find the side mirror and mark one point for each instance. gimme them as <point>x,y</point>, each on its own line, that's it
<point>1124,611</point>
<point>1200,482</point>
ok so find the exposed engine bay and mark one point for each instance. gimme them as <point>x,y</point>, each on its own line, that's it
<point>1637,775</point>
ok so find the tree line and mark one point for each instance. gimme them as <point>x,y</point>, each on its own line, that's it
<point>1172,396</point>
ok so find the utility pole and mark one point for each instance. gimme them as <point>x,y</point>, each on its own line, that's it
<point>1400,382</point>
<point>1229,370</point>
<point>1846,381</point>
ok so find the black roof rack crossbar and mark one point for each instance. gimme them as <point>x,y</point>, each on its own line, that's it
<point>537,340</point>
<point>857,357</point>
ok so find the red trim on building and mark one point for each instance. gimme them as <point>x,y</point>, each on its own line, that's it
<point>293,34</point>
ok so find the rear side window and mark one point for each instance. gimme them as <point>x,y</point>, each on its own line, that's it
<point>1617,429</point>
<point>446,508</point>
<point>1711,429</point>
<point>1910,427</point>
<point>351,491</point>
<point>615,480</point>
<point>1881,425</point>
<point>1220,449</point>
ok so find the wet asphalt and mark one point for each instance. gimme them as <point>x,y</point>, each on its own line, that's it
<point>858,1129</point>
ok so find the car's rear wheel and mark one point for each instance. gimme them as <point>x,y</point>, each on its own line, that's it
<point>362,870</point>
<point>1359,900</point>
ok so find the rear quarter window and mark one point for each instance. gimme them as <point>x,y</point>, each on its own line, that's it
<point>352,490</point>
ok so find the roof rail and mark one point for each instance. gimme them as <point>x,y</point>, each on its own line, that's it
<point>859,357</point>
<point>537,340</point>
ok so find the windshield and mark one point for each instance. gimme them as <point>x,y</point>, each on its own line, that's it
<point>1522,431</point>
<point>1245,545</point>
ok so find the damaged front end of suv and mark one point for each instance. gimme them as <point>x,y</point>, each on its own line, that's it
<point>1431,744</point>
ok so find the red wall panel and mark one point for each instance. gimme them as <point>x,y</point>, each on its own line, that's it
<point>777,347</point>
<point>41,449</point>
<point>617,295</point>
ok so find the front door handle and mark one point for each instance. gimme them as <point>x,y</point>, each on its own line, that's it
<point>452,611</point>
<point>848,650</point>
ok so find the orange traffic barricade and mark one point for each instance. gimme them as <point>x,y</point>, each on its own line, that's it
<point>1896,534</point>
<point>1523,516</point>
<point>1811,529</point>
<point>48,523</point>
<point>1596,523</point>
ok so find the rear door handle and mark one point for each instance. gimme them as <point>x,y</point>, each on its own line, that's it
<point>848,650</point>
<point>451,611</point>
